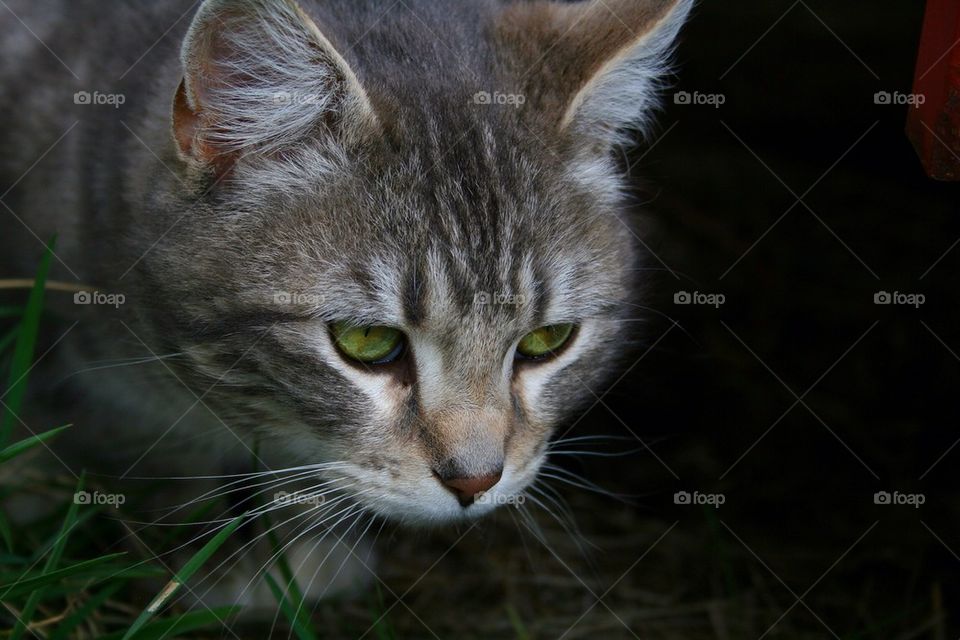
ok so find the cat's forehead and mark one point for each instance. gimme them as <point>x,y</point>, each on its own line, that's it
<point>480,226</point>
<point>481,222</point>
<point>425,269</point>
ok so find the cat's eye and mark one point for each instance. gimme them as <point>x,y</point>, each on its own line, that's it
<point>370,344</point>
<point>545,341</point>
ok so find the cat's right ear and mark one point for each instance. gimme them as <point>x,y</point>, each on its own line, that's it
<point>259,76</point>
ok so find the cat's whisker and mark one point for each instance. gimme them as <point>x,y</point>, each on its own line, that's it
<point>219,492</point>
<point>355,514</point>
<point>563,517</point>
<point>222,518</point>
<point>304,496</point>
<point>170,552</point>
<point>599,454</point>
<point>555,498</point>
<point>581,483</point>
<point>530,523</point>
<point>523,539</point>
<point>332,531</point>
<point>588,438</point>
<point>117,364</point>
<point>295,532</point>
<point>254,517</point>
<point>318,465</point>
<point>270,506</point>
<point>649,310</point>
<point>535,530</point>
<point>310,525</point>
<point>346,497</point>
<point>195,539</point>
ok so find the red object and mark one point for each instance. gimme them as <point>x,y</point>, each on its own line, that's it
<point>934,125</point>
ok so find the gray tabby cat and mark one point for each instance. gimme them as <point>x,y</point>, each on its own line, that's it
<point>384,246</point>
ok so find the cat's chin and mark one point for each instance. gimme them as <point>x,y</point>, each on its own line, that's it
<point>416,517</point>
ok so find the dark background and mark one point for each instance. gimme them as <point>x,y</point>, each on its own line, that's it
<point>886,412</point>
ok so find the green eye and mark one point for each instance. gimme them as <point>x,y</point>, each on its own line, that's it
<point>370,345</point>
<point>545,340</point>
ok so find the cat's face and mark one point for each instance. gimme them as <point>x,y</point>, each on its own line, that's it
<point>419,295</point>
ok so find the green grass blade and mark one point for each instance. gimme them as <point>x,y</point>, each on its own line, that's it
<point>297,617</point>
<point>97,567</point>
<point>56,553</point>
<point>382,626</point>
<point>87,514</point>
<point>21,446</point>
<point>183,575</point>
<point>516,622</point>
<point>65,628</point>
<point>192,621</point>
<point>10,311</point>
<point>26,342</point>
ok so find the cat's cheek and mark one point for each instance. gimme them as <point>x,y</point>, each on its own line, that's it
<point>532,381</point>
<point>382,395</point>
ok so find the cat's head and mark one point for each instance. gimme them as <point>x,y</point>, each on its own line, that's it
<point>403,247</point>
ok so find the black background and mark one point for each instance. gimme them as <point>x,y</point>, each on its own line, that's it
<point>884,415</point>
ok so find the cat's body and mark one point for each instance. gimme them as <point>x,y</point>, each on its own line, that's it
<point>444,168</point>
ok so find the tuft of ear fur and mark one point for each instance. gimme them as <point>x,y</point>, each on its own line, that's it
<point>595,66</point>
<point>259,76</point>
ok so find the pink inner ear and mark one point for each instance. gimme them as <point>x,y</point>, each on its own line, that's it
<point>187,127</point>
<point>185,123</point>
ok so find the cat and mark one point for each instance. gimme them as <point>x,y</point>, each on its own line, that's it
<point>381,250</point>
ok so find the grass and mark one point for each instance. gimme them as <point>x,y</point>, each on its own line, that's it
<point>51,589</point>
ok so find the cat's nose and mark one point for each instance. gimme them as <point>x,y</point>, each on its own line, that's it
<point>467,489</point>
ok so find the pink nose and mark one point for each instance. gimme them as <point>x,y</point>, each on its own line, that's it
<point>467,489</point>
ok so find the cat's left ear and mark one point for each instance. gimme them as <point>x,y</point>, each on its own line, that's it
<point>593,67</point>
<point>259,76</point>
